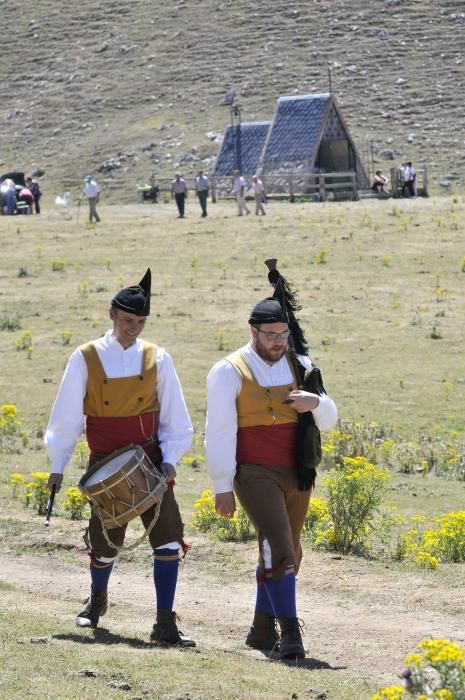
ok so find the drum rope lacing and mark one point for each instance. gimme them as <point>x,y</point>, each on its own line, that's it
<point>163,485</point>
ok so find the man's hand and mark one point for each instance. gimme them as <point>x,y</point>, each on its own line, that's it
<point>168,471</point>
<point>303,401</point>
<point>55,479</point>
<point>225,504</point>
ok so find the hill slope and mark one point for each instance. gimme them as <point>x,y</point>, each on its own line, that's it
<point>137,86</point>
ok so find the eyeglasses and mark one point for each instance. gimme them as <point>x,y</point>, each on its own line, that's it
<point>271,335</point>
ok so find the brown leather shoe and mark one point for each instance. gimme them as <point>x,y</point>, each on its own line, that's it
<point>96,607</point>
<point>165,631</point>
<point>263,634</point>
<point>291,639</point>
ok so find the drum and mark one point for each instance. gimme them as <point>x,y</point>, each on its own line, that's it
<point>123,485</point>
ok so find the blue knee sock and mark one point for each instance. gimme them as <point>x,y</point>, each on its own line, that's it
<point>100,575</point>
<point>282,595</point>
<point>263,602</point>
<point>165,576</point>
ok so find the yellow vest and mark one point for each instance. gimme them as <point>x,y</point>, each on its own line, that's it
<point>258,405</point>
<point>121,396</point>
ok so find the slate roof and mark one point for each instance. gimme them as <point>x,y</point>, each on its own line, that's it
<point>241,149</point>
<point>295,131</point>
<point>291,142</point>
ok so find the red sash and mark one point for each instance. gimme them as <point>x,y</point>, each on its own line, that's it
<point>104,435</point>
<point>268,446</point>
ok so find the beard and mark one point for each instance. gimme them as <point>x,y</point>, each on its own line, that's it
<point>270,354</point>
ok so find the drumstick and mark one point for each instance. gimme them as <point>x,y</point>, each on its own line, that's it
<point>50,505</point>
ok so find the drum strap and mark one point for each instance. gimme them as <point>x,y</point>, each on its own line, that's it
<point>152,432</point>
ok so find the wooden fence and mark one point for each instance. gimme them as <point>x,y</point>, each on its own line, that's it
<point>291,186</point>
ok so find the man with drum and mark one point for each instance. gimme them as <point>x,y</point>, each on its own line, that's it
<point>125,391</point>
<point>251,439</point>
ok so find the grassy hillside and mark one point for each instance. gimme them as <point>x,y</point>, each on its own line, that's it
<point>140,83</point>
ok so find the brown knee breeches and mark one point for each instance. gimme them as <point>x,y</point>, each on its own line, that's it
<point>168,528</point>
<point>277,509</point>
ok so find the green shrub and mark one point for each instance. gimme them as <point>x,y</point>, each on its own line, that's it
<point>58,264</point>
<point>354,494</point>
<point>317,522</point>
<point>75,503</point>
<point>235,529</point>
<point>442,457</point>
<point>427,547</point>
<point>18,484</point>
<point>352,439</point>
<point>81,453</point>
<point>10,322</point>
<point>37,492</point>
<point>10,431</point>
<point>66,336</point>
<point>24,341</point>
<point>435,672</point>
<point>205,519</point>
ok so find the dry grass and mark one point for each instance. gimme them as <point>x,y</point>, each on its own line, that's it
<point>369,323</point>
<point>392,273</point>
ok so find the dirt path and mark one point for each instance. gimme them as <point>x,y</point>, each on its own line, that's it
<point>358,616</point>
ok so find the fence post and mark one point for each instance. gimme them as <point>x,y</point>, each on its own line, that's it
<point>214,189</point>
<point>291,188</point>
<point>321,185</point>
<point>355,196</point>
<point>425,182</point>
<point>394,178</point>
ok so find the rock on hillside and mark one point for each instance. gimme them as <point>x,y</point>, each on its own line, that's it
<point>128,88</point>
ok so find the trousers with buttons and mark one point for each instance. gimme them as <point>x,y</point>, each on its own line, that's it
<point>277,509</point>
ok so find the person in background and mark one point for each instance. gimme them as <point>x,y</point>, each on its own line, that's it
<point>8,196</point>
<point>125,391</point>
<point>259,192</point>
<point>379,182</point>
<point>34,187</point>
<point>409,180</point>
<point>201,187</point>
<point>179,192</point>
<point>92,192</point>
<point>239,193</point>
<point>25,195</point>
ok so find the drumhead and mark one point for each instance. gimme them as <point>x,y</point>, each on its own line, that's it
<point>110,467</point>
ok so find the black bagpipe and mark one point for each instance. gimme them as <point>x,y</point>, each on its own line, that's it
<point>308,447</point>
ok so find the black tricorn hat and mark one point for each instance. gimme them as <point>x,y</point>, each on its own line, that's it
<point>135,299</point>
<point>267,311</point>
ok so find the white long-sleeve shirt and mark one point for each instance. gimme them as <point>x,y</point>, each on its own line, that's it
<point>258,187</point>
<point>223,386</point>
<point>67,419</point>
<point>91,189</point>
<point>238,184</point>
